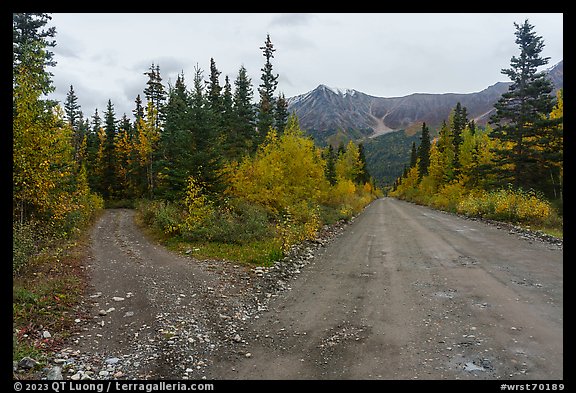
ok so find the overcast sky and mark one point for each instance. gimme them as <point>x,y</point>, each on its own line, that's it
<point>104,56</point>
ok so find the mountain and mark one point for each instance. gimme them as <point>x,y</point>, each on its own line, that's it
<point>332,115</point>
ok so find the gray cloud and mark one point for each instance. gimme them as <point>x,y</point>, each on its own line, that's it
<point>292,19</point>
<point>380,54</point>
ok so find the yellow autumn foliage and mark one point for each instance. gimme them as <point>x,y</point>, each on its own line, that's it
<point>287,178</point>
<point>506,204</point>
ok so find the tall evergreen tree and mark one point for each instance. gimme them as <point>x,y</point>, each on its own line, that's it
<point>138,112</point>
<point>458,121</point>
<point>424,151</point>
<point>31,48</point>
<point>205,158</point>
<point>521,113</point>
<point>266,109</point>
<point>227,102</point>
<point>214,91</point>
<point>155,92</point>
<point>281,113</point>
<point>244,113</point>
<point>96,121</point>
<point>331,165</point>
<point>72,108</point>
<point>92,145</point>
<point>108,183</point>
<point>176,146</point>
<point>74,118</point>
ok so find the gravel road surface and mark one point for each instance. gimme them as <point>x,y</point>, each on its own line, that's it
<point>403,292</point>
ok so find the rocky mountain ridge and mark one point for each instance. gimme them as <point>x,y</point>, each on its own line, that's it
<point>330,114</point>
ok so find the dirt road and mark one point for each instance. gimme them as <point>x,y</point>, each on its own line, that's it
<point>405,292</point>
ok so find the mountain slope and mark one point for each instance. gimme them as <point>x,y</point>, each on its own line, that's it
<point>328,114</point>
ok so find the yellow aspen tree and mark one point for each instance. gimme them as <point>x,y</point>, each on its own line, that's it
<point>42,154</point>
<point>123,151</point>
<point>348,164</point>
<point>148,136</point>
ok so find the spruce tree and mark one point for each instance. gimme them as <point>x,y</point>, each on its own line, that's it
<point>521,113</point>
<point>330,165</point>
<point>72,108</point>
<point>31,48</point>
<point>424,152</point>
<point>458,121</point>
<point>227,103</point>
<point>96,121</point>
<point>266,109</point>
<point>155,92</point>
<point>138,112</point>
<point>108,182</point>
<point>205,158</point>
<point>176,146</point>
<point>244,113</point>
<point>214,91</point>
<point>281,113</point>
<point>74,118</point>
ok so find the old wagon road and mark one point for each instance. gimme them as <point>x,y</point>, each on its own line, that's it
<point>404,292</point>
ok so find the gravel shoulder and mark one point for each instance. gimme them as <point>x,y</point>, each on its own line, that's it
<point>403,292</point>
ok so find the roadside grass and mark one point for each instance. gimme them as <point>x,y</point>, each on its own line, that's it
<point>256,253</point>
<point>261,252</point>
<point>46,294</point>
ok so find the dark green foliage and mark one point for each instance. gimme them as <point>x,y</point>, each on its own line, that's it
<point>387,154</point>
<point>242,138</point>
<point>31,47</point>
<point>205,159</point>
<point>108,182</point>
<point>281,113</point>
<point>214,91</point>
<point>424,152</point>
<point>413,155</point>
<point>521,114</point>
<point>267,106</point>
<point>155,92</point>
<point>72,108</point>
<point>138,112</point>
<point>74,118</point>
<point>176,145</point>
<point>459,122</point>
<point>330,157</point>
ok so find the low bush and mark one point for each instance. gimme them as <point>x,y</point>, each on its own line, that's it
<point>24,245</point>
<point>236,222</point>
<point>508,205</point>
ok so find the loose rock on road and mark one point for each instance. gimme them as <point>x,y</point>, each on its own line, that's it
<point>403,292</point>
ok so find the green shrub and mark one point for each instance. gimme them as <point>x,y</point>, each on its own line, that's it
<point>168,218</point>
<point>236,222</point>
<point>24,245</point>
